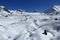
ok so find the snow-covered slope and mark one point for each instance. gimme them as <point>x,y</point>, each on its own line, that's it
<point>21,25</point>
<point>53,10</point>
<point>4,11</point>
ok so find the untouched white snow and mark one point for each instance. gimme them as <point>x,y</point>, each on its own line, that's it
<point>28,26</point>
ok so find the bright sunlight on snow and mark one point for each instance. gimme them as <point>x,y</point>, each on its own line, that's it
<point>21,25</point>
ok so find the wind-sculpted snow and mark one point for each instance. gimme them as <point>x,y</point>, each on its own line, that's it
<point>29,26</point>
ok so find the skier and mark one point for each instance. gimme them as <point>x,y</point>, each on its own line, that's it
<point>45,32</point>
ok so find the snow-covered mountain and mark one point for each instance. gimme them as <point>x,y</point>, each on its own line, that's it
<point>4,11</point>
<point>53,10</point>
<point>21,25</point>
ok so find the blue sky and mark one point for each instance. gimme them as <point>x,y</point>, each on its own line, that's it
<point>29,5</point>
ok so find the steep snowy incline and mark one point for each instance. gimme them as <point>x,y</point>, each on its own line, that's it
<point>4,11</point>
<point>53,10</point>
<point>18,25</point>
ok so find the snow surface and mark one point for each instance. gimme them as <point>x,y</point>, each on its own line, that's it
<point>28,26</point>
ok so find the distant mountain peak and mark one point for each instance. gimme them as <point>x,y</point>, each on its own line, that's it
<point>53,10</point>
<point>2,6</point>
<point>56,7</point>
